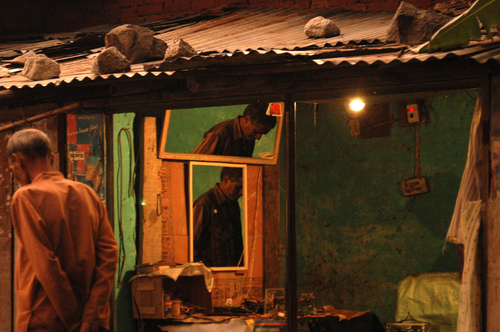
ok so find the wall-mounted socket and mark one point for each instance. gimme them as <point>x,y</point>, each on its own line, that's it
<point>412,113</point>
<point>415,186</point>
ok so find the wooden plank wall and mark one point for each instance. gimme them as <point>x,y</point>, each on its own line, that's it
<point>271,223</point>
<point>6,244</point>
<point>164,224</point>
<point>151,220</point>
<point>171,235</point>
<point>491,219</point>
<point>174,230</point>
<point>492,289</point>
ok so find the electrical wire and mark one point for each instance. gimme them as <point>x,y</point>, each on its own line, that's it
<point>122,252</point>
<point>325,224</point>
<point>136,305</point>
<point>388,240</point>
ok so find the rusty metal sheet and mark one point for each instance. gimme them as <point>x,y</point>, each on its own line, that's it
<point>281,29</point>
<point>249,36</point>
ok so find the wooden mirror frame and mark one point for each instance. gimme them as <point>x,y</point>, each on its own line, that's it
<point>162,154</point>
<point>192,177</point>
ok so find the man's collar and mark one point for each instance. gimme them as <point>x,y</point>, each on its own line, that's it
<point>219,195</point>
<point>238,133</point>
<point>47,175</point>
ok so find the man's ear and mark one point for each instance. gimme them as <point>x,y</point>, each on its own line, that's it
<point>14,158</point>
<point>20,159</point>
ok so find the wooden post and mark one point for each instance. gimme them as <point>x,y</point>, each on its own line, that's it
<point>6,240</point>
<point>491,215</point>
<point>291,245</point>
<point>271,224</point>
<point>150,230</point>
<point>174,231</point>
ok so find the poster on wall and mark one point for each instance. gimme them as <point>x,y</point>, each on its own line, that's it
<point>86,150</point>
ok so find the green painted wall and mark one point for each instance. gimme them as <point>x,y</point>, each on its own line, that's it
<point>125,218</point>
<point>357,234</point>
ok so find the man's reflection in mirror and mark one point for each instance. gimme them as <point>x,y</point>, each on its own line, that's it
<point>218,239</point>
<point>236,137</point>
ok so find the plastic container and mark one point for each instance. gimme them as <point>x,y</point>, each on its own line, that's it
<point>176,308</point>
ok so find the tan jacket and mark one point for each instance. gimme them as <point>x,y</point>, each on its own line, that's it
<point>67,255</point>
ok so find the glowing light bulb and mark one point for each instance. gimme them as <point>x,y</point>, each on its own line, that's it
<point>357,105</point>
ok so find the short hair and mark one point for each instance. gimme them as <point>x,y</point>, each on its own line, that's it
<point>234,173</point>
<point>32,143</point>
<point>257,112</point>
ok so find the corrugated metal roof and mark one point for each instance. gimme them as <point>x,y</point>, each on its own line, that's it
<point>249,36</point>
<point>479,52</point>
<point>252,29</point>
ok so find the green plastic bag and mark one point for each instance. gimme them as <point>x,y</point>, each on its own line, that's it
<point>429,298</point>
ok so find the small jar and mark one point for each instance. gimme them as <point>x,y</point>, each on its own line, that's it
<point>167,306</point>
<point>176,308</point>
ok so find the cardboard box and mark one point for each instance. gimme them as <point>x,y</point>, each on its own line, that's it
<point>147,298</point>
<point>148,295</point>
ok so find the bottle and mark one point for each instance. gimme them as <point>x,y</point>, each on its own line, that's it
<point>167,305</point>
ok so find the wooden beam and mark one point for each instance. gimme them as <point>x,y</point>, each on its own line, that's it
<point>110,193</point>
<point>210,87</point>
<point>6,241</point>
<point>8,94</point>
<point>150,214</point>
<point>304,91</point>
<point>491,214</point>
<point>214,90</point>
<point>291,239</point>
<point>40,116</point>
<point>271,223</point>
<point>11,114</point>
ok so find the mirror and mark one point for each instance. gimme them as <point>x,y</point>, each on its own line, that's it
<point>223,134</point>
<point>218,215</point>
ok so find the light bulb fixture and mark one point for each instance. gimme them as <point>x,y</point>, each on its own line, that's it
<point>357,105</point>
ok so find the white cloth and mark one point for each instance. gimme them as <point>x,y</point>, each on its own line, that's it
<point>186,270</point>
<point>465,224</point>
<point>469,308</point>
<point>470,187</point>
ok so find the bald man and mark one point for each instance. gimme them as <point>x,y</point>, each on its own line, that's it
<point>67,254</point>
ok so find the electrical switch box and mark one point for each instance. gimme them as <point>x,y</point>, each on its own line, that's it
<point>415,186</point>
<point>413,113</point>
